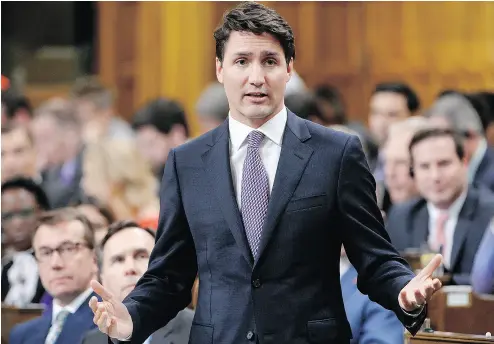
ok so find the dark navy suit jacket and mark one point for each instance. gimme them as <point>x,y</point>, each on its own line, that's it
<point>370,323</point>
<point>75,327</point>
<point>323,196</point>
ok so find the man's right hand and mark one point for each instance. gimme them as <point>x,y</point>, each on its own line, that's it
<point>110,315</point>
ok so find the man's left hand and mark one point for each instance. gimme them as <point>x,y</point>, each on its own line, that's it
<point>421,288</point>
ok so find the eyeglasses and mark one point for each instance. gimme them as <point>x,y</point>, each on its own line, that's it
<point>22,213</point>
<point>65,251</point>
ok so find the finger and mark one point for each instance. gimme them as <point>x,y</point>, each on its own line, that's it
<point>99,312</point>
<point>93,304</point>
<point>433,265</point>
<point>101,291</point>
<point>419,296</point>
<point>102,323</point>
<point>437,284</point>
<point>406,302</point>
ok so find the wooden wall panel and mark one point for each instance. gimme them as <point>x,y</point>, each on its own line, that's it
<point>352,45</point>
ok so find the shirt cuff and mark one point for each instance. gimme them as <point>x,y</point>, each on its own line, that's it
<point>414,313</point>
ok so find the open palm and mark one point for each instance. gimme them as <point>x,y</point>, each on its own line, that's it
<point>421,288</point>
<point>110,315</point>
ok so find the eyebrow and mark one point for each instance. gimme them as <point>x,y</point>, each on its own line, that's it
<point>131,251</point>
<point>264,53</point>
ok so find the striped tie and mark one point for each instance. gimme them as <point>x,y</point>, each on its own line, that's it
<point>255,192</point>
<point>56,327</point>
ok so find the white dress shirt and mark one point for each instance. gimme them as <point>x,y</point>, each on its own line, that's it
<point>270,148</point>
<point>450,226</point>
<point>71,307</point>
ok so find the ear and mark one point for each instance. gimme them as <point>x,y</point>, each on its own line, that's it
<point>219,70</point>
<point>289,70</point>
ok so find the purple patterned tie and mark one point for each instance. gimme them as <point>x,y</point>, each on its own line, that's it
<point>255,192</point>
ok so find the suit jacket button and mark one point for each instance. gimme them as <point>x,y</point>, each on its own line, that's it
<point>250,335</point>
<point>256,283</point>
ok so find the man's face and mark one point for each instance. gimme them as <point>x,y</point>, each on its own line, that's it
<point>125,259</point>
<point>153,145</point>
<point>254,73</point>
<point>400,185</point>
<point>19,211</point>
<point>386,108</point>
<point>64,275</point>
<point>49,141</point>
<point>440,175</point>
<point>18,155</point>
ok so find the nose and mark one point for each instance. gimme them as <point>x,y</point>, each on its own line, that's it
<point>130,267</point>
<point>256,75</point>
<point>56,261</point>
<point>435,173</point>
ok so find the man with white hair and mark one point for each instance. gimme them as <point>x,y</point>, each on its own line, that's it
<point>455,112</point>
<point>399,183</point>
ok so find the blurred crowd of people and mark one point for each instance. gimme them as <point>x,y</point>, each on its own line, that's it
<point>80,192</point>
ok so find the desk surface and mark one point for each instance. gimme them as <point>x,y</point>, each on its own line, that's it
<point>448,337</point>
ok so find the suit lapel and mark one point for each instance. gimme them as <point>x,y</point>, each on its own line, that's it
<point>217,164</point>
<point>293,159</point>
<point>41,332</point>
<point>77,324</point>
<point>462,226</point>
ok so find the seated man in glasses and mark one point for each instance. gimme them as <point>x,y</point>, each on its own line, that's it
<point>22,201</point>
<point>63,245</point>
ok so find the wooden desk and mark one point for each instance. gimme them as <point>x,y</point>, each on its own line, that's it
<point>12,316</point>
<point>446,338</point>
<point>457,309</point>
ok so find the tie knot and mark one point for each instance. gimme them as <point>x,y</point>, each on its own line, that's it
<point>255,138</point>
<point>61,316</point>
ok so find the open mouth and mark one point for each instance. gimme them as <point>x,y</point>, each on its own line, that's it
<point>256,95</point>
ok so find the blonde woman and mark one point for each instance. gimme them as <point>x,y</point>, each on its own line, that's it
<point>117,175</point>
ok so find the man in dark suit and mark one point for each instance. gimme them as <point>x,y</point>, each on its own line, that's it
<point>124,257</point>
<point>64,248</point>
<point>259,208</point>
<point>451,216</point>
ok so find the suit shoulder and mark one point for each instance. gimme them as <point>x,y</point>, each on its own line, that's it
<point>201,141</point>
<point>402,209</point>
<point>94,336</point>
<point>29,326</point>
<point>320,132</point>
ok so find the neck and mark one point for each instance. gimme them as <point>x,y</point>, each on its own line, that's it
<point>66,299</point>
<point>255,123</point>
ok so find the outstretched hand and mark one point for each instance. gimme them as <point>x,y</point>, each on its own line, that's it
<point>421,288</point>
<point>110,315</point>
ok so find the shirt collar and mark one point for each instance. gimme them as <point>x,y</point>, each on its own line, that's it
<point>477,157</point>
<point>454,209</point>
<point>71,307</point>
<point>272,129</point>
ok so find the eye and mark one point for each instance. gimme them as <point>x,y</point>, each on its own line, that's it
<point>271,62</point>
<point>241,62</point>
